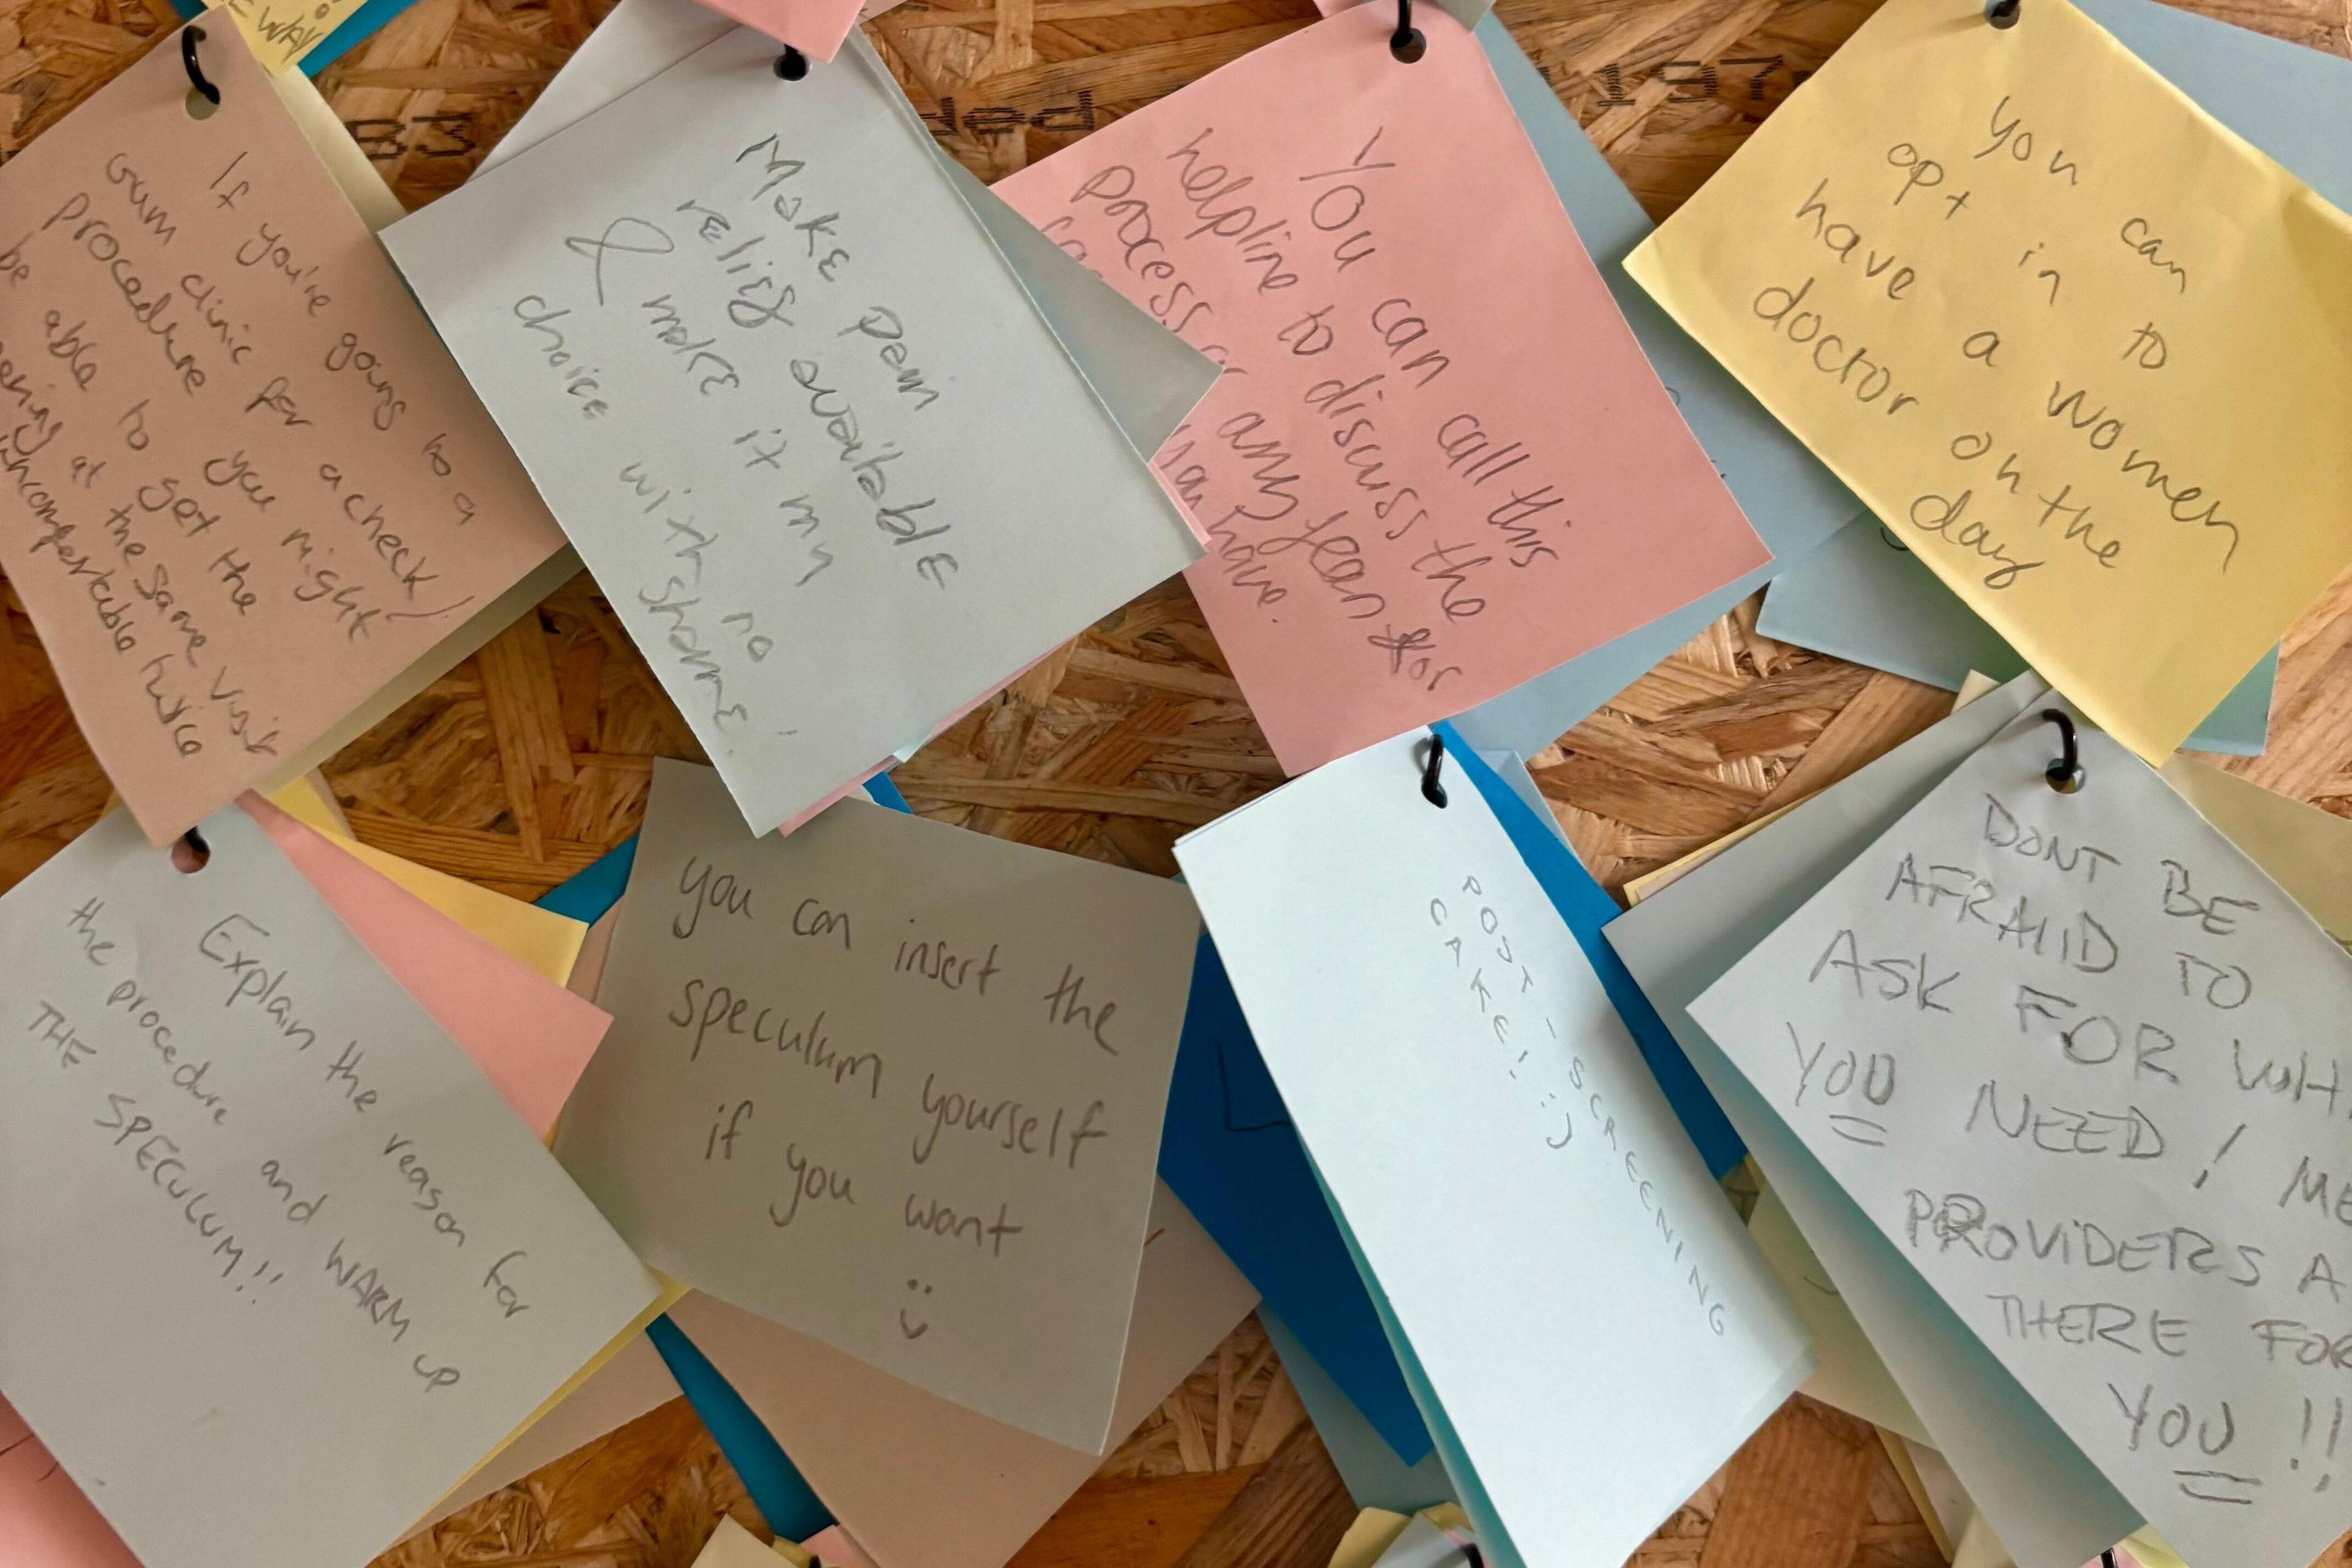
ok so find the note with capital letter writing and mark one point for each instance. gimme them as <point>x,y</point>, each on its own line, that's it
<point>255,1189</point>
<point>2074,1057</point>
<point>2083,349</point>
<point>1505,1167</point>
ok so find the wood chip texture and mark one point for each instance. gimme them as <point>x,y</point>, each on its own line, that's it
<point>529,760</point>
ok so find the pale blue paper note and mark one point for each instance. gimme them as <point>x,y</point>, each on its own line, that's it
<point>1864,596</point>
<point>1793,502</point>
<point>1375,1477</point>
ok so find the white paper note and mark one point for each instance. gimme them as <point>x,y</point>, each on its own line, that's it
<point>278,1264</point>
<point>801,417</point>
<point>1585,1304</point>
<point>2075,1055</point>
<point>893,1084</point>
<point>2052,1505</point>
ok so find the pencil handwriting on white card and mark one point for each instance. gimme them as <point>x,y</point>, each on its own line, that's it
<point>2079,1060</point>
<point>279,1194</point>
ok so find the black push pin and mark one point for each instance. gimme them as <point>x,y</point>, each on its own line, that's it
<point>2064,774</point>
<point>791,65</point>
<point>1431,790</point>
<point>1408,46</point>
<point>190,36</point>
<point>2004,12</point>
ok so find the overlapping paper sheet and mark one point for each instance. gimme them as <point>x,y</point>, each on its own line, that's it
<point>754,343</point>
<point>2051,1505</point>
<point>255,1189</point>
<point>892,1084</point>
<point>2081,347</point>
<point>1444,1049</point>
<point>921,1482</point>
<point>2073,1054</point>
<point>1434,468</point>
<point>247,485</point>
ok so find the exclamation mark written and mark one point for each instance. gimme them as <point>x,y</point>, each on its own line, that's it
<point>2224,1148</point>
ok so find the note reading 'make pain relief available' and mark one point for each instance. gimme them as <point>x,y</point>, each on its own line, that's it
<point>246,486</point>
<point>1587,1310</point>
<point>278,1264</point>
<point>895,1084</point>
<point>2079,1060</point>
<point>2087,353</point>
<point>818,442</point>
<point>1437,463</point>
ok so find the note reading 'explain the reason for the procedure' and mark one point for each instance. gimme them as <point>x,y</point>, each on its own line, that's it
<point>246,486</point>
<point>893,1084</point>
<point>2078,1058</point>
<point>1604,1335</point>
<point>259,1197</point>
<point>1438,463</point>
<point>835,471</point>
<point>2086,351</point>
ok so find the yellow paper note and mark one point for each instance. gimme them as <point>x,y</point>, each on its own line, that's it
<point>546,942</point>
<point>282,31</point>
<point>2305,849</point>
<point>2088,353</point>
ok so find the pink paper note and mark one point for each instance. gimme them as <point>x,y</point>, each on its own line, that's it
<point>530,1037</point>
<point>44,1521</point>
<point>245,485</point>
<point>1438,464</point>
<point>815,27</point>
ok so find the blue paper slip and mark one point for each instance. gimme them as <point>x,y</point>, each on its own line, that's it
<point>1793,502</point>
<point>1865,597</point>
<point>1585,905</point>
<point>1229,1152</point>
<point>1375,1477</point>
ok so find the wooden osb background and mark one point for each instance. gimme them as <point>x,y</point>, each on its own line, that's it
<point>527,762</point>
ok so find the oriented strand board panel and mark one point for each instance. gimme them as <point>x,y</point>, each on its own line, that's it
<point>525,762</point>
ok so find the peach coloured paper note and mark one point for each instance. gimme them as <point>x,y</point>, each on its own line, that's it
<point>242,485</point>
<point>1437,463</point>
<point>44,1521</point>
<point>530,1037</point>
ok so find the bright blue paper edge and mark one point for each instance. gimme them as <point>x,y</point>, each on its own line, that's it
<point>355,29</point>
<point>777,1489</point>
<point>1585,905</point>
<point>1264,1207</point>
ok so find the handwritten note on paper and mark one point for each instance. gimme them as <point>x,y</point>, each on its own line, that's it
<point>894,1085</point>
<point>753,345</point>
<point>271,1194</point>
<point>245,485</point>
<point>2075,1056</point>
<point>2081,348</point>
<point>1434,468</point>
<point>1478,1113</point>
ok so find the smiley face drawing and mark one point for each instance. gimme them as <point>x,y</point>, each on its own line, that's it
<point>911,1329</point>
